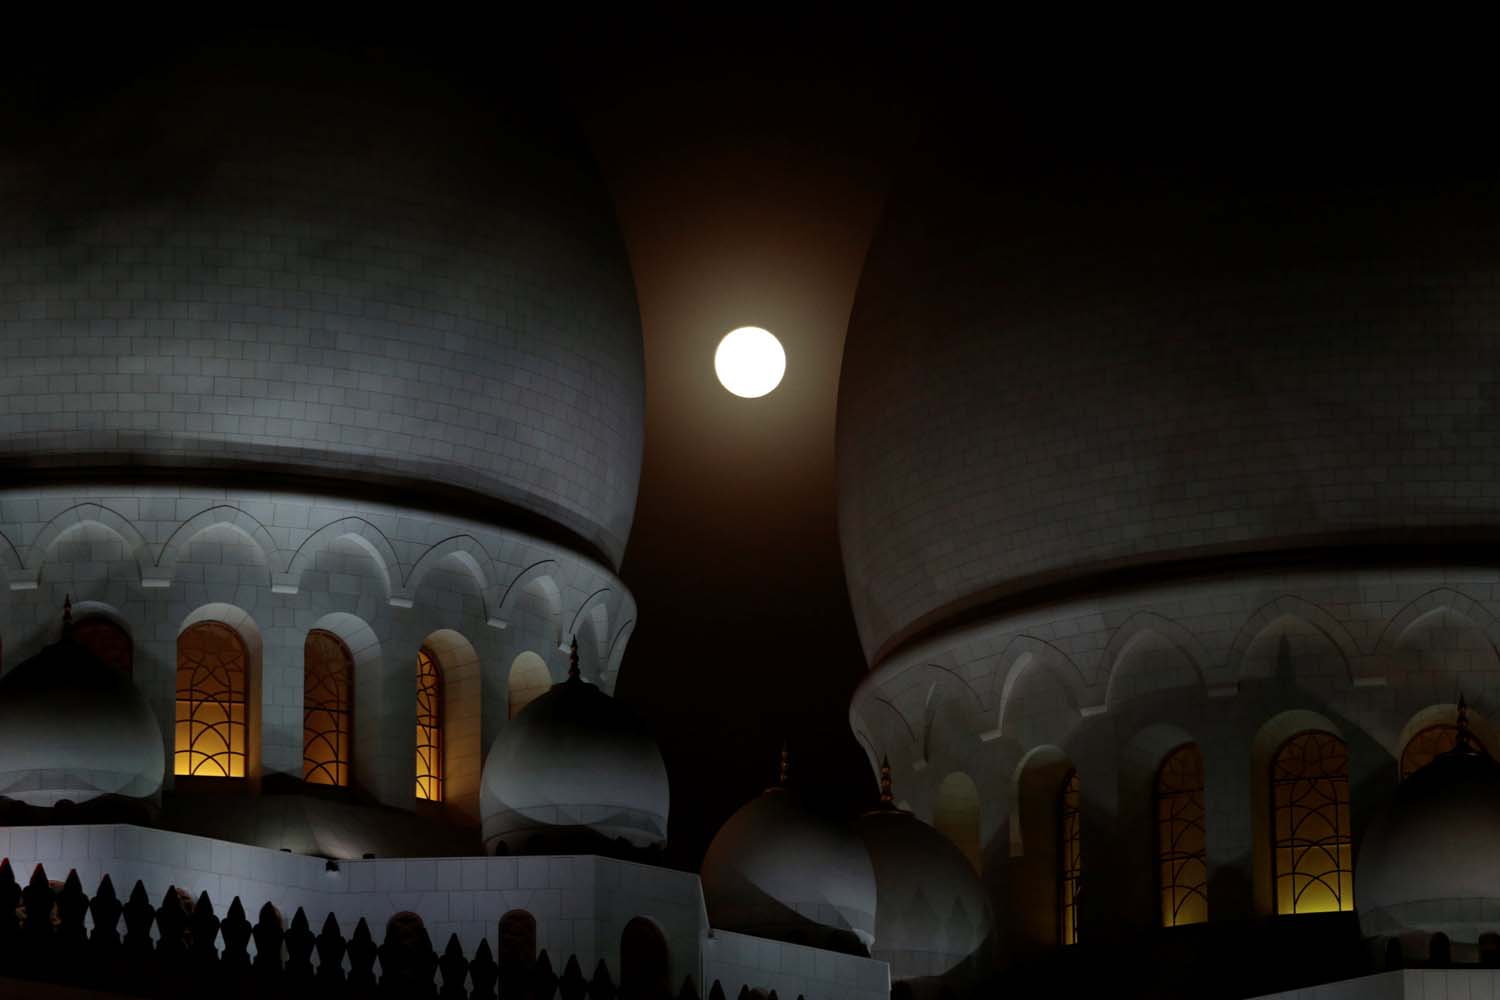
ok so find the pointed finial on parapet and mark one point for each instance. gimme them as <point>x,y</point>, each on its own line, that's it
<point>886,797</point>
<point>573,673</point>
<point>786,764</point>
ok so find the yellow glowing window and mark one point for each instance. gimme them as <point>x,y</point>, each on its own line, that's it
<point>211,703</point>
<point>429,728</point>
<point>107,641</point>
<point>1181,845</point>
<point>327,685</point>
<point>1071,855</point>
<point>1313,855</point>
<point>1427,744</point>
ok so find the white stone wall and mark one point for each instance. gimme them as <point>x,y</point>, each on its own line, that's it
<point>388,578</point>
<point>1112,683</point>
<point>581,903</point>
<point>1038,383</point>
<point>1408,984</point>
<point>331,278</point>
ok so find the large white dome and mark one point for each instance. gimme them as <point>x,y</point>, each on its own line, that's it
<point>74,729</point>
<point>574,760</point>
<point>777,870</point>
<point>1428,864</point>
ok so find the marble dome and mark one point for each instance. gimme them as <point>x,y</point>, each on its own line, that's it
<point>1050,376</point>
<point>574,760</point>
<point>330,267</point>
<point>931,913</point>
<point>1428,863</point>
<point>777,870</point>
<point>73,729</point>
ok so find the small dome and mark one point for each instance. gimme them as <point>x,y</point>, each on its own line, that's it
<point>574,760</point>
<point>74,729</point>
<point>775,870</point>
<point>1428,864</point>
<point>931,910</point>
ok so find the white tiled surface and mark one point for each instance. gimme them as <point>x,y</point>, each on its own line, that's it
<point>791,970</point>
<point>1408,984</point>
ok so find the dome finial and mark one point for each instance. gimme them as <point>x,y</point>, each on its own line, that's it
<point>1461,740</point>
<point>67,614</point>
<point>786,764</point>
<point>886,797</point>
<point>573,674</point>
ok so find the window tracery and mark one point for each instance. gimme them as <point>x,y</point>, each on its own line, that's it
<point>1071,856</point>
<point>1425,745</point>
<point>1313,853</point>
<point>1182,848</point>
<point>328,673</point>
<point>211,702</point>
<point>429,727</point>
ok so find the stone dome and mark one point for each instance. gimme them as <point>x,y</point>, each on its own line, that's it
<point>75,729</point>
<point>776,870</point>
<point>574,760</point>
<point>322,268</point>
<point>1052,376</point>
<point>1428,863</point>
<point>931,911</point>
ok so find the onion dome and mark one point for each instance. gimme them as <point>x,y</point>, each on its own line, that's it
<point>574,761</point>
<point>74,729</point>
<point>1428,864</point>
<point>931,911</point>
<point>776,870</point>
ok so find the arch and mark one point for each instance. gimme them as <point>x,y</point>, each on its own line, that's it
<point>1070,856</point>
<point>1433,730</point>
<point>1136,831</point>
<point>955,814</point>
<point>1275,614</point>
<point>1127,640</point>
<point>617,650</point>
<point>541,570</point>
<point>465,551</point>
<point>1437,599</point>
<point>1300,815</point>
<point>596,607</point>
<point>12,569</point>
<point>355,529</point>
<point>106,636</point>
<point>645,962</point>
<point>213,702</point>
<point>457,665</point>
<point>245,627</point>
<point>1022,651</point>
<point>591,632</point>
<point>327,709</point>
<point>527,681</point>
<point>243,522</point>
<point>429,727</point>
<point>1038,705</point>
<point>367,696</point>
<point>517,941</point>
<point>75,517</point>
<point>1181,837</point>
<point>1031,885</point>
<point>1440,637</point>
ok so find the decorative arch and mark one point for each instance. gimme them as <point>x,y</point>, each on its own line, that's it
<point>463,550</point>
<point>1038,705</point>
<point>12,569</point>
<point>71,519</point>
<point>596,608</point>
<point>355,529</point>
<point>1274,613</point>
<point>955,814</point>
<point>1138,629</point>
<point>429,727</point>
<point>1437,599</point>
<point>243,522</point>
<point>527,681</point>
<point>1181,837</point>
<point>1299,813</point>
<point>1070,854</point>
<point>645,961</point>
<point>1019,654</point>
<point>327,709</point>
<point>458,666</point>
<point>542,570</point>
<point>1138,832</point>
<point>590,629</point>
<point>617,649</point>
<point>534,593</point>
<point>1433,730</point>
<point>218,670</point>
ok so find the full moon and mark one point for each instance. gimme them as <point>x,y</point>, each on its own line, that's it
<point>750,361</point>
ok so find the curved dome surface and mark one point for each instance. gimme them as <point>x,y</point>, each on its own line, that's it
<point>574,759</point>
<point>331,269</point>
<point>777,870</point>
<point>931,911</point>
<point>1049,376</point>
<point>74,729</point>
<point>1428,864</point>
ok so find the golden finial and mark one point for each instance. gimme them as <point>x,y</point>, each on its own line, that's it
<point>573,674</point>
<point>886,798</point>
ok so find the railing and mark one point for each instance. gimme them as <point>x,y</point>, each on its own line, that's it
<point>45,937</point>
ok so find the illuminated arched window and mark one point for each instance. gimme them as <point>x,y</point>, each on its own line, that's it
<point>327,685</point>
<point>1070,854</point>
<point>1427,744</point>
<point>429,727</point>
<point>1181,845</point>
<point>1313,855</point>
<point>211,702</point>
<point>107,641</point>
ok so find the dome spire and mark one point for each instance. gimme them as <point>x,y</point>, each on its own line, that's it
<point>887,799</point>
<point>786,765</point>
<point>573,673</point>
<point>1461,739</point>
<point>67,625</point>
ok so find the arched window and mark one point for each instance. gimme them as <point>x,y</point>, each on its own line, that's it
<point>1181,845</point>
<point>645,972</point>
<point>528,681</point>
<point>327,686</point>
<point>429,727</point>
<point>956,814</point>
<point>211,702</point>
<point>1427,744</point>
<point>1312,858</point>
<point>107,641</point>
<point>1070,854</point>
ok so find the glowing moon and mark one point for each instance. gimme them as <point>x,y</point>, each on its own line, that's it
<point>750,361</point>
